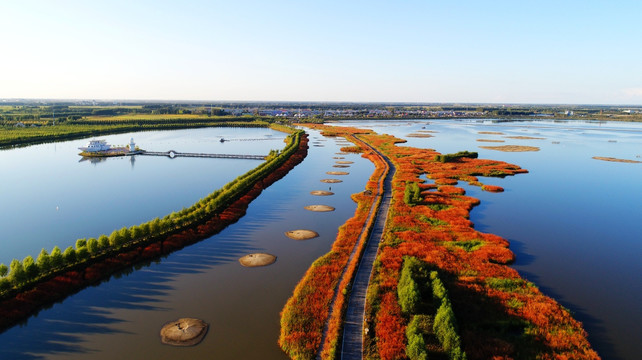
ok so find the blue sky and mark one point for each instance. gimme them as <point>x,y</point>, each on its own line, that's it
<point>577,52</point>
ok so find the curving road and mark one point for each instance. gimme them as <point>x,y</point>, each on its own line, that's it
<point>352,346</point>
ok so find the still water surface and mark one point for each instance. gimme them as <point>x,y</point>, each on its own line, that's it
<point>51,197</point>
<point>121,318</point>
<point>573,222</point>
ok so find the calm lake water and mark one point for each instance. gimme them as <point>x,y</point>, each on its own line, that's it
<point>573,222</point>
<point>121,318</point>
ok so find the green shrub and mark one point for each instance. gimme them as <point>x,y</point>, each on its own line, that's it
<point>412,194</point>
<point>453,157</point>
<point>509,285</point>
<point>468,246</point>
<point>438,207</point>
<point>432,221</point>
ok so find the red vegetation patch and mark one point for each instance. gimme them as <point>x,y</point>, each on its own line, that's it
<point>492,188</point>
<point>484,291</point>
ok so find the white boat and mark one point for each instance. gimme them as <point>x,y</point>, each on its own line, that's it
<point>101,146</point>
<point>95,146</point>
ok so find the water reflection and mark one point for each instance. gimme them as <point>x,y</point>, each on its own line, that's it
<point>65,326</point>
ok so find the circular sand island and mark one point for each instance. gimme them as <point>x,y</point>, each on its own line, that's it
<point>344,162</point>
<point>331,181</point>
<point>257,259</point>
<point>319,208</point>
<point>511,148</point>
<point>183,332</point>
<point>301,234</point>
<point>321,193</point>
<point>338,173</point>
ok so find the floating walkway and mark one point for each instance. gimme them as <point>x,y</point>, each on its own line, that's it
<point>174,154</point>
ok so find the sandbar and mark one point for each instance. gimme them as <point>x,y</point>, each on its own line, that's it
<point>257,259</point>
<point>319,208</point>
<point>511,148</point>
<point>524,137</point>
<point>490,140</point>
<point>417,135</point>
<point>344,162</point>
<point>490,132</point>
<point>183,332</point>
<point>337,173</point>
<point>321,193</point>
<point>603,158</point>
<point>301,234</point>
<point>331,181</point>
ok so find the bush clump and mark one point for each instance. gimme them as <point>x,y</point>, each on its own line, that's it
<point>444,158</point>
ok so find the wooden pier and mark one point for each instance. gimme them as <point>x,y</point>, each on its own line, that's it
<point>174,154</point>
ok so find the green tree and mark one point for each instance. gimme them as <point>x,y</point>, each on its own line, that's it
<point>57,260</point>
<point>115,239</point>
<point>407,289</point>
<point>92,246</point>
<point>17,272</point>
<point>80,243</point>
<point>103,241</point>
<point>31,268</point>
<point>82,253</point>
<point>69,255</point>
<point>412,194</point>
<point>4,270</point>
<point>154,227</point>
<point>44,261</point>
<point>136,233</point>
<point>5,284</point>
<point>126,235</point>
